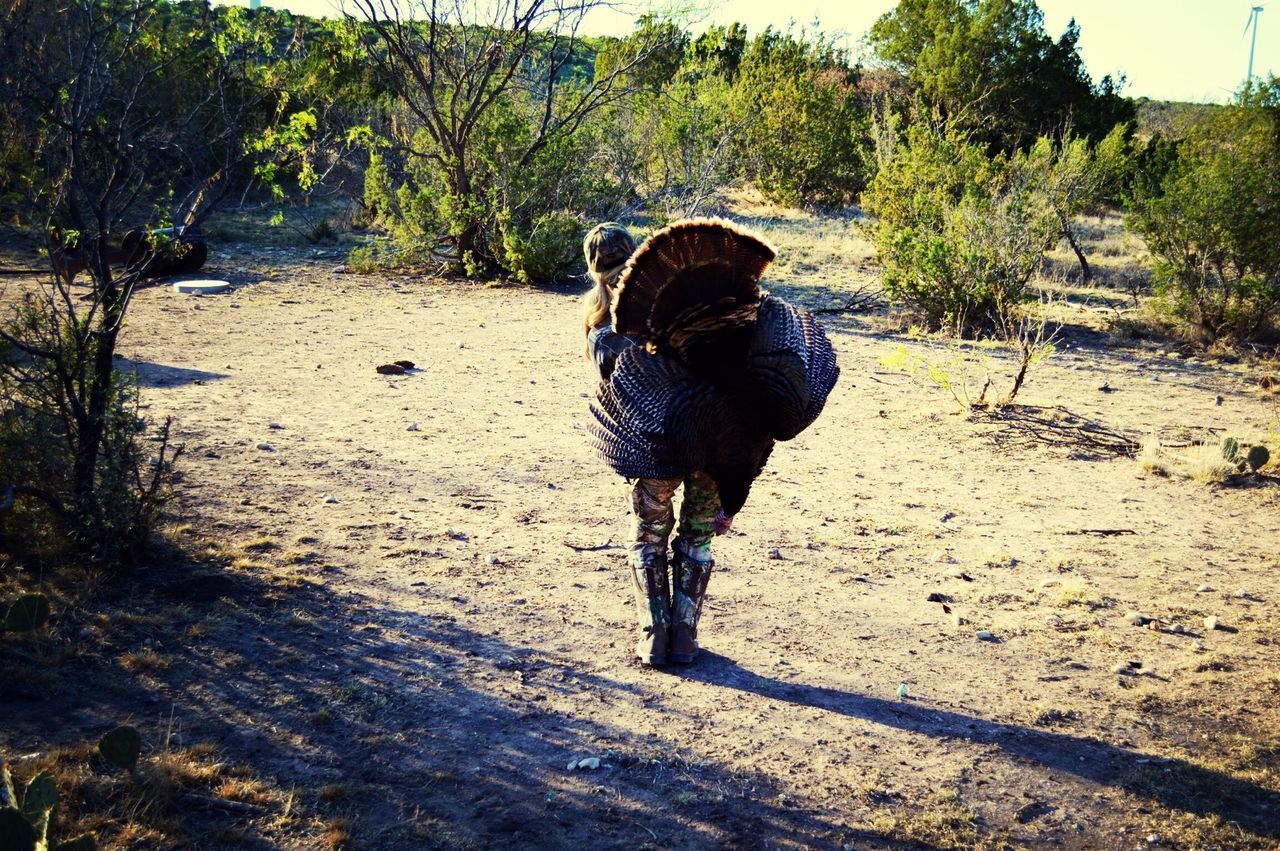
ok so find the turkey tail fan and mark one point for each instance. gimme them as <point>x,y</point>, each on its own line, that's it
<point>631,414</point>
<point>794,365</point>
<point>692,289</point>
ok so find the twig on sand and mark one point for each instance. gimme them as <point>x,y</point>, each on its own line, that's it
<point>1058,426</point>
<point>860,301</point>
<point>1103,532</point>
<point>607,545</point>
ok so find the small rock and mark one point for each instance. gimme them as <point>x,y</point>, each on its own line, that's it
<point>1154,838</point>
<point>573,763</point>
<point>1211,623</point>
<point>412,427</point>
<point>461,345</point>
<point>275,425</point>
<point>775,553</point>
<point>389,369</point>
<point>1139,619</point>
<point>1178,628</point>
<point>1121,669</point>
<point>246,501</point>
<point>935,597</point>
<point>1217,400</point>
<point>957,620</point>
<point>266,447</point>
<point>1198,646</point>
<point>1240,594</point>
<point>456,535</point>
<point>338,270</point>
<point>985,635</point>
<point>405,364</point>
<point>591,763</point>
<point>330,498</point>
<point>492,558</point>
<point>946,516</point>
<point>1203,589</point>
<point>551,486</point>
<point>943,557</point>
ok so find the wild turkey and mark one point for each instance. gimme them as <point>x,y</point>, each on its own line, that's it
<point>724,370</point>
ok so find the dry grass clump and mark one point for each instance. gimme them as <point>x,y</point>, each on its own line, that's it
<point>1151,459</point>
<point>175,795</point>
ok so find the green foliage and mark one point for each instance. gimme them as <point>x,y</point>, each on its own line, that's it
<point>25,824</point>
<point>1212,228</point>
<point>959,233</point>
<point>989,67</point>
<point>1230,449</point>
<point>804,122</point>
<point>27,613</point>
<point>121,747</point>
<point>1257,457</point>
<point>107,501</point>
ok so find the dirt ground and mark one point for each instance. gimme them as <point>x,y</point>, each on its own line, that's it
<point>415,613</point>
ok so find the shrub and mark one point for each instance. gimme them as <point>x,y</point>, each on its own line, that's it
<point>805,121</point>
<point>1214,227</point>
<point>101,479</point>
<point>959,234</point>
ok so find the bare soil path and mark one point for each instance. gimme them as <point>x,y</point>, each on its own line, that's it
<point>428,605</point>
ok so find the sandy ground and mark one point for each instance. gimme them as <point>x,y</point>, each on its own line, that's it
<point>430,606</point>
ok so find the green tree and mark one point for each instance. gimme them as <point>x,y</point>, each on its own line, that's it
<point>958,233</point>
<point>805,124</point>
<point>1213,225</point>
<point>486,128</point>
<point>139,116</point>
<point>989,67</point>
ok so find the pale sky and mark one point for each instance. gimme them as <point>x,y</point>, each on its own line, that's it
<point>1193,50</point>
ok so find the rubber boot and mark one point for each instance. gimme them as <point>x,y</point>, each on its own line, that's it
<point>688,587</point>
<point>653,604</point>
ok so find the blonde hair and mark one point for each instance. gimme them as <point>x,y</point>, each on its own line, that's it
<point>606,248</point>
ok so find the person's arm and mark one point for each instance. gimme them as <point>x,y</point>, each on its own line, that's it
<point>606,345</point>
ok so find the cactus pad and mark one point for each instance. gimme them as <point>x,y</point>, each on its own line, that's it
<point>27,613</point>
<point>121,747</point>
<point>1258,457</point>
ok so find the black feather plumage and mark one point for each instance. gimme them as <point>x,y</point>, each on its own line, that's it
<point>725,370</point>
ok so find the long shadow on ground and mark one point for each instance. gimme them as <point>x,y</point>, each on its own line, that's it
<point>1251,806</point>
<point>439,735</point>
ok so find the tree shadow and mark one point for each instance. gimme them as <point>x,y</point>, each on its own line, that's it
<point>1174,783</point>
<point>160,375</point>
<point>440,734</point>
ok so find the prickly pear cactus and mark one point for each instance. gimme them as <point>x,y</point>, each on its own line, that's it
<point>1230,449</point>
<point>27,613</point>
<point>1258,457</point>
<point>121,747</point>
<point>40,802</point>
<point>26,828</point>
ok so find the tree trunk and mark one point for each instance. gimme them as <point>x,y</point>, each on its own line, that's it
<point>1069,234</point>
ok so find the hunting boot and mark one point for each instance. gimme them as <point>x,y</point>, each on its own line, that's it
<point>688,587</point>
<point>653,604</point>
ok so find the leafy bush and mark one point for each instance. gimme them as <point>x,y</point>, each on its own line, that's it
<point>516,215</point>
<point>1213,226</point>
<point>102,480</point>
<point>959,234</point>
<point>805,122</point>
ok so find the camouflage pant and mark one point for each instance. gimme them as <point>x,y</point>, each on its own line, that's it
<point>651,503</point>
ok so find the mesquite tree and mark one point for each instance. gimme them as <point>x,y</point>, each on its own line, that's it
<point>493,97</point>
<point>136,115</point>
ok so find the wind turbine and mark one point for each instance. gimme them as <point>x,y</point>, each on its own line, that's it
<point>1254,13</point>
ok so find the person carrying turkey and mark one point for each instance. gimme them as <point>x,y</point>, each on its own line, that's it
<point>701,372</point>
